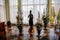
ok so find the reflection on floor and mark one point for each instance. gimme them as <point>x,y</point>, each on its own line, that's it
<point>13,34</point>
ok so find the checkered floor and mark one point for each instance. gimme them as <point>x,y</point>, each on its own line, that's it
<point>13,34</point>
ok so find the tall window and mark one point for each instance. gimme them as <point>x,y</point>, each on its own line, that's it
<point>56,5</point>
<point>2,11</point>
<point>56,8</point>
<point>13,10</point>
<point>35,6</point>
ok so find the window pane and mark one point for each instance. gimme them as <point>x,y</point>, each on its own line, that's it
<point>43,1</point>
<point>2,11</point>
<point>13,10</point>
<point>36,1</point>
<point>24,8</point>
<point>37,8</point>
<point>35,13</point>
<point>1,2</point>
<point>30,1</point>
<point>24,11</point>
<point>30,8</point>
<point>42,10</point>
<point>13,2</point>
<point>24,1</point>
<point>55,1</point>
<point>13,13</point>
<point>56,8</point>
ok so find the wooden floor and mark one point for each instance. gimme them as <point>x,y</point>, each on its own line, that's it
<point>13,34</point>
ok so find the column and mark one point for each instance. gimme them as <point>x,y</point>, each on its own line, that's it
<point>7,10</point>
<point>49,9</point>
<point>19,5</point>
<point>19,11</point>
<point>50,12</point>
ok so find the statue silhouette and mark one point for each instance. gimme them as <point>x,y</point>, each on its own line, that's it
<point>31,20</point>
<point>45,20</point>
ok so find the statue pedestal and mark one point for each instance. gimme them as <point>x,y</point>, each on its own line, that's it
<point>21,34</point>
<point>38,38</point>
<point>31,32</point>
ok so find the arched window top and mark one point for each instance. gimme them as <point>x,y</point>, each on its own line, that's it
<point>56,1</point>
<point>43,1</point>
<point>13,2</point>
<point>34,2</point>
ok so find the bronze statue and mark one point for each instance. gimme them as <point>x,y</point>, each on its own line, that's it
<point>31,20</point>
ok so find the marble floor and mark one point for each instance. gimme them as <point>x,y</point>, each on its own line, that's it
<point>13,34</point>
